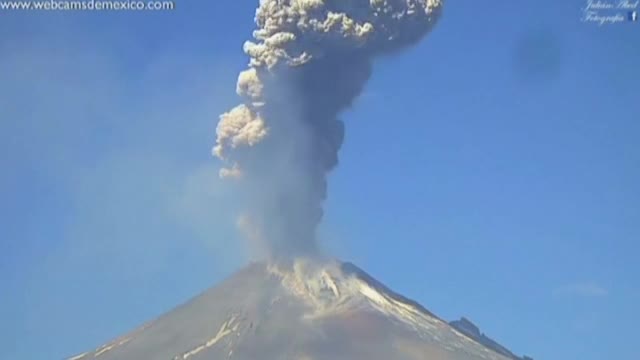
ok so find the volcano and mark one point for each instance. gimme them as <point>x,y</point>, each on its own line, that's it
<point>304,310</point>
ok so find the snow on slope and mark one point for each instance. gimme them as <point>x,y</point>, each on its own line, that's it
<point>307,309</point>
<point>336,288</point>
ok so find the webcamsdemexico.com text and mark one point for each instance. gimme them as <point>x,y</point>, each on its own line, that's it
<point>87,5</point>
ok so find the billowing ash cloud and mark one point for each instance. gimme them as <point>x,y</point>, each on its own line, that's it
<point>309,61</point>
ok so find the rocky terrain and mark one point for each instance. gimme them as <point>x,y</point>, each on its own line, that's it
<point>304,311</point>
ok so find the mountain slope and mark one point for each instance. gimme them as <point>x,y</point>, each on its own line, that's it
<point>304,311</point>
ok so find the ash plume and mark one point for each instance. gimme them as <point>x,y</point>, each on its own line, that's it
<point>309,60</point>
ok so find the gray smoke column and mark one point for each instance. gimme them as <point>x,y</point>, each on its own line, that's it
<point>310,59</point>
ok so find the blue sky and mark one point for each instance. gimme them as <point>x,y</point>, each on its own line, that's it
<point>491,172</point>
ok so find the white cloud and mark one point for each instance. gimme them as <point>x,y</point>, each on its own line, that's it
<point>582,289</point>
